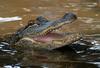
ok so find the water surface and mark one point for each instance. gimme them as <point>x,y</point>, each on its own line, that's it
<point>88,23</point>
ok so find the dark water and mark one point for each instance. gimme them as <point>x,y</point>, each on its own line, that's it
<point>79,55</point>
<point>76,56</point>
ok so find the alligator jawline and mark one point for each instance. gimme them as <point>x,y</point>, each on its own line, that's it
<point>48,37</point>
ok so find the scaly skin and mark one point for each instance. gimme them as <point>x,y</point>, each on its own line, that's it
<point>41,35</point>
<point>47,26</point>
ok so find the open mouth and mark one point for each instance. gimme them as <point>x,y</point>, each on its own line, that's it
<point>49,35</point>
<point>52,33</point>
<point>57,37</point>
<point>51,40</point>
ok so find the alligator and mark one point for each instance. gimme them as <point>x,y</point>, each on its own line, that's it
<point>42,33</point>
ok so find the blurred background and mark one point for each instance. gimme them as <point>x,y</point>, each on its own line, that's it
<point>87,11</point>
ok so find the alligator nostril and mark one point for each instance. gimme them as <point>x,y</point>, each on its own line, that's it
<point>69,16</point>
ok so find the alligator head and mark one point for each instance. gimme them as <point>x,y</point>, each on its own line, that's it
<point>43,34</point>
<point>47,26</point>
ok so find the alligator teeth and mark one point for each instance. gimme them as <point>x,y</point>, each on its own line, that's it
<point>57,42</point>
<point>47,31</point>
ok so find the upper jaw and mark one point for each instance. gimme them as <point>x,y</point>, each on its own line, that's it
<point>48,26</point>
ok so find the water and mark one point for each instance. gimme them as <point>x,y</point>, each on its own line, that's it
<point>7,19</point>
<point>88,23</point>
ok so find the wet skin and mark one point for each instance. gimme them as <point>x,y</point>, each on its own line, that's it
<point>42,33</point>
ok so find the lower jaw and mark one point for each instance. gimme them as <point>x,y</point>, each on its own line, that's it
<point>49,41</point>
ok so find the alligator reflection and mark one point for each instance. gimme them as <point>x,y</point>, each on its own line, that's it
<point>64,57</point>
